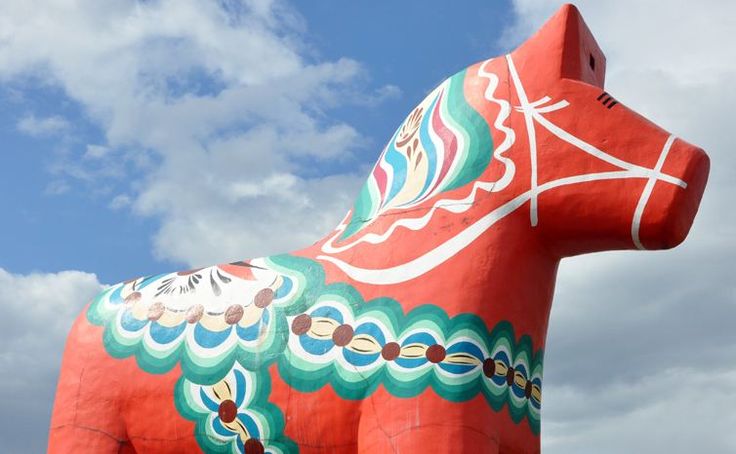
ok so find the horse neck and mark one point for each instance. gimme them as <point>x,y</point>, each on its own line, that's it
<point>506,274</point>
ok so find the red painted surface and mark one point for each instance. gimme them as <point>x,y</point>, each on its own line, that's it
<point>507,273</point>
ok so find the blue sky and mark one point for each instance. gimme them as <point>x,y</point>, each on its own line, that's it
<point>67,220</point>
<point>140,137</point>
<point>60,222</point>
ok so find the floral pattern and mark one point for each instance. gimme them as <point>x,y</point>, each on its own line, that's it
<point>355,346</point>
<point>227,324</point>
<point>205,319</point>
<point>233,415</point>
<point>442,145</point>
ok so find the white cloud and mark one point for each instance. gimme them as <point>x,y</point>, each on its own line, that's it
<point>220,96</point>
<point>56,187</point>
<point>38,311</point>
<point>675,411</point>
<point>39,127</point>
<point>639,347</point>
<point>240,198</point>
<point>95,152</point>
<point>211,116</point>
<point>120,201</point>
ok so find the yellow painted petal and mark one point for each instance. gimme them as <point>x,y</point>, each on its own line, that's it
<point>238,427</point>
<point>322,328</point>
<point>364,343</point>
<point>462,359</point>
<point>536,393</point>
<point>413,351</point>
<point>214,322</point>
<point>251,314</point>
<point>170,318</point>
<point>501,368</point>
<point>223,390</point>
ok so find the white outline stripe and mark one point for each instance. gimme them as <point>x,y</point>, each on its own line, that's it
<point>602,155</point>
<point>647,192</point>
<point>532,111</point>
<point>531,133</point>
<point>422,264</point>
<point>510,135</point>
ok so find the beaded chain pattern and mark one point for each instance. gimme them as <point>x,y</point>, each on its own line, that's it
<point>226,325</point>
<point>356,346</point>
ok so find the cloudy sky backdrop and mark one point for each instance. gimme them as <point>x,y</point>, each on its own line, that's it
<point>140,137</point>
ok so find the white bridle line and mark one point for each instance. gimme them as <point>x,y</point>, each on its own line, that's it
<point>532,111</point>
<point>647,192</point>
<point>424,263</point>
<point>531,133</point>
<point>602,155</point>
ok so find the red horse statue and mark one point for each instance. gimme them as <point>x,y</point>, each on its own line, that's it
<point>418,324</point>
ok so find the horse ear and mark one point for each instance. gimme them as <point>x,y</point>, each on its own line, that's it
<point>563,48</point>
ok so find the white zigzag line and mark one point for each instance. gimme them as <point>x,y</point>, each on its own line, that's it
<point>420,265</point>
<point>510,135</point>
<point>431,259</point>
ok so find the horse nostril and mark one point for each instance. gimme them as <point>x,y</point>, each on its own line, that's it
<point>606,99</point>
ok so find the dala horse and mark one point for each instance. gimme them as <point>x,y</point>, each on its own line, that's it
<point>418,324</point>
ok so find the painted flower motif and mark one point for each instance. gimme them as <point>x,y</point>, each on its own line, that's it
<point>215,313</point>
<point>442,145</point>
<point>233,421</point>
<point>233,415</point>
<point>318,335</point>
<point>410,126</point>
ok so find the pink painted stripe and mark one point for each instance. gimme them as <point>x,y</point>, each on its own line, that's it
<point>449,141</point>
<point>380,176</point>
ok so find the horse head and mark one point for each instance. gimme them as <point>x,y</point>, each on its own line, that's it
<point>531,132</point>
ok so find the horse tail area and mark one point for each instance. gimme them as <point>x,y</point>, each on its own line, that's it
<point>106,403</point>
<point>86,416</point>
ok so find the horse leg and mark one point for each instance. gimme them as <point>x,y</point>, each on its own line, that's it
<point>425,423</point>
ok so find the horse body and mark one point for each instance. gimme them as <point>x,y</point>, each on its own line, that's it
<point>419,323</point>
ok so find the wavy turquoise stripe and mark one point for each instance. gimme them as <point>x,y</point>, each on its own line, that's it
<point>369,200</point>
<point>430,323</point>
<point>473,158</point>
<point>478,143</point>
<point>201,367</point>
<point>362,211</point>
<point>307,375</point>
<point>398,164</point>
<point>207,421</point>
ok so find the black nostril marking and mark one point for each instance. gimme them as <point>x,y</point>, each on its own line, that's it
<point>592,62</point>
<point>607,100</point>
